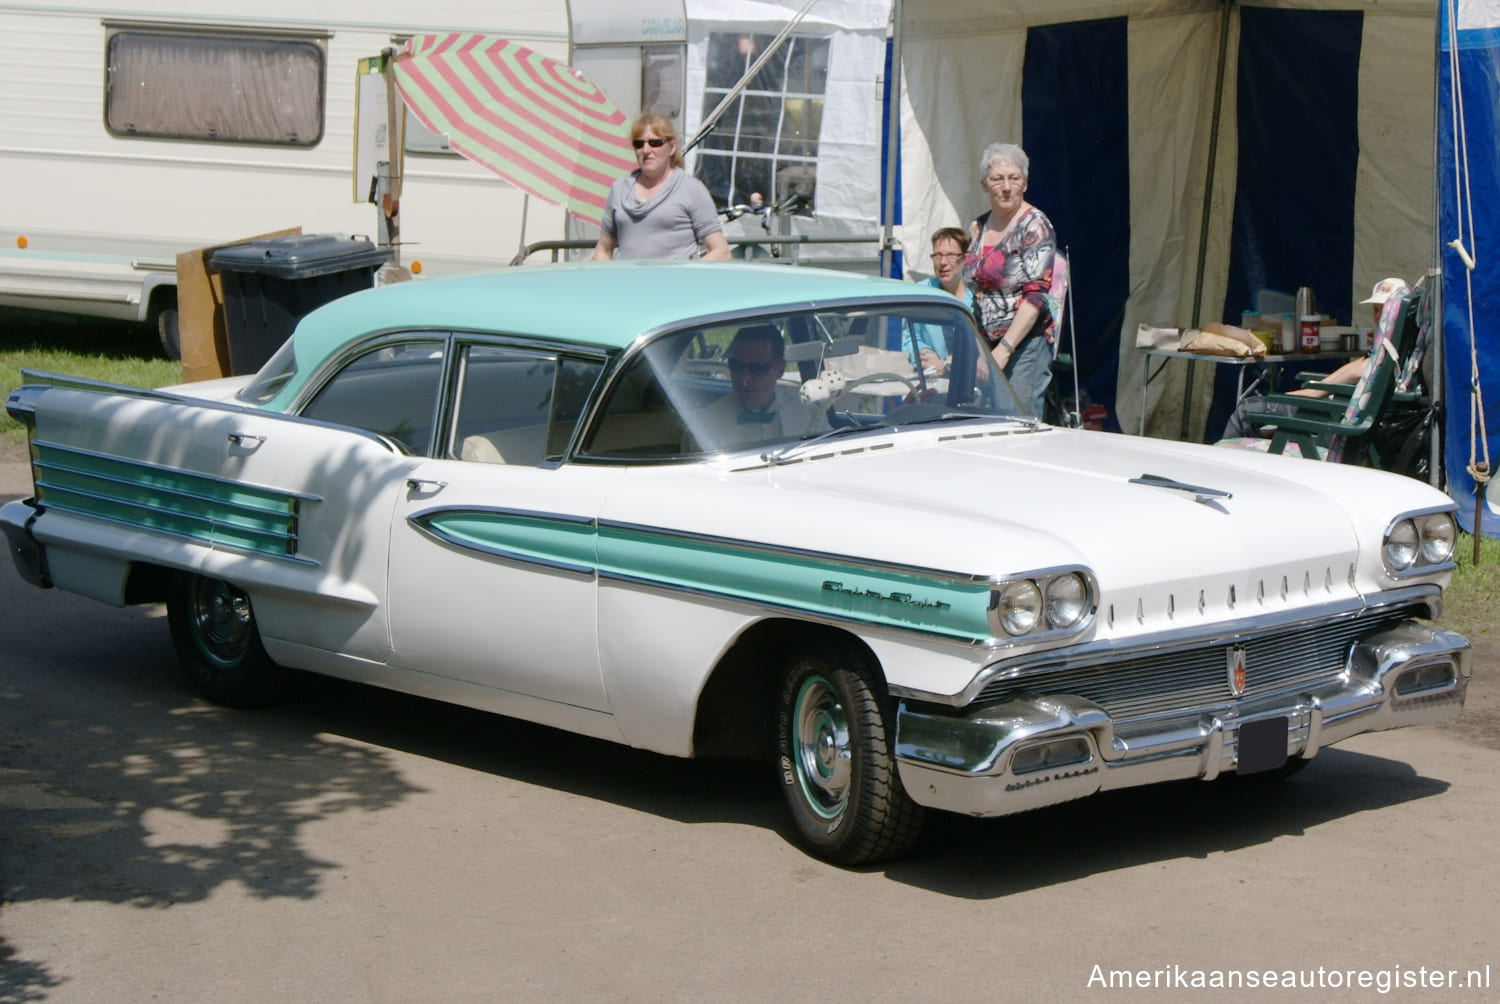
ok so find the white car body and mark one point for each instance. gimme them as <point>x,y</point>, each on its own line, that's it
<point>657,604</point>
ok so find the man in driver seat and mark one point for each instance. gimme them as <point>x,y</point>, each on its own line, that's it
<point>760,409</point>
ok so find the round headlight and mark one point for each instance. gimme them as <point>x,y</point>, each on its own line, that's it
<point>1401,546</point>
<point>1067,600</point>
<point>1019,605</point>
<point>1438,537</point>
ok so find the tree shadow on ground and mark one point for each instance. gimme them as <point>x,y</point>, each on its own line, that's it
<point>116,787</point>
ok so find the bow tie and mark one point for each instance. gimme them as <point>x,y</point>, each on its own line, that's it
<point>748,417</point>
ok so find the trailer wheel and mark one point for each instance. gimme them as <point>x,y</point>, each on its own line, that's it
<point>167,331</point>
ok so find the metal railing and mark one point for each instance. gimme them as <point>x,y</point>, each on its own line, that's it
<point>776,245</point>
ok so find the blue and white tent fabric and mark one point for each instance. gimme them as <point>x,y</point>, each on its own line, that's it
<point>1469,212</point>
<point>1312,150</point>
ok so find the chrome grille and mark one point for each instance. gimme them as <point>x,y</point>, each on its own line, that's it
<point>1138,686</point>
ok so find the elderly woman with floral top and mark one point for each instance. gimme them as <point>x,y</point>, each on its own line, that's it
<point>1008,267</point>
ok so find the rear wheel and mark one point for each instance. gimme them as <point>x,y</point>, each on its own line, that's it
<point>837,769</point>
<point>218,644</point>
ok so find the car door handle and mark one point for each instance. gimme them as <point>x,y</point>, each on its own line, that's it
<point>245,439</point>
<point>424,485</point>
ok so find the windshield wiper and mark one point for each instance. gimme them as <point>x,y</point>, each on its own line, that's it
<point>778,455</point>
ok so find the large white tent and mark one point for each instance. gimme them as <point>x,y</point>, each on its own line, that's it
<point>1194,152</point>
<point>1189,152</point>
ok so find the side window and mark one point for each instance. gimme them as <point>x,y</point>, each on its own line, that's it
<point>642,418</point>
<point>391,391</point>
<point>517,407</point>
<point>214,87</point>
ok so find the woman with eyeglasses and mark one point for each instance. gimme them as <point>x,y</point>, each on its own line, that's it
<point>925,344</point>
<point>659,210</point>
<point>1009,268</point>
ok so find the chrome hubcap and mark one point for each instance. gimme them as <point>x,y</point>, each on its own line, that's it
<point>821,747</point>
<point>221,619</point>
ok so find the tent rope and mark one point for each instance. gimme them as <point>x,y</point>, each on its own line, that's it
<point>1479,447</point>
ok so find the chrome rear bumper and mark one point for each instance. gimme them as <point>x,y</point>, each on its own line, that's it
<point>1040,749</point>
<point>30,559</point>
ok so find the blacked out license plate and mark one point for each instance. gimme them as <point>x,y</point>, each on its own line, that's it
<point>1262,745</point>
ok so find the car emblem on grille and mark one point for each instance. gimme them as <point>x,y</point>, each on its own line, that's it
<point>1235,659</point>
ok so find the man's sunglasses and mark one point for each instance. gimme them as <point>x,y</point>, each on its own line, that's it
<point>739,366</point>
<point>655,142</point>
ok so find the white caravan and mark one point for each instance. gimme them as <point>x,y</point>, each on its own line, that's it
<point>106,179</point>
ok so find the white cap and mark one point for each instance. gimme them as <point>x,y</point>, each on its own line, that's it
<point>1384,289</point>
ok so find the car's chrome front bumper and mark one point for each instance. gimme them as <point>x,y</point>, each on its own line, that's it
<point>1040,749</point>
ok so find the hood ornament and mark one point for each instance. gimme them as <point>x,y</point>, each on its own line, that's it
<point>1206,496</point>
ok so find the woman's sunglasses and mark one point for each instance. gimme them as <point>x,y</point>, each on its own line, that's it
<point>655,142</point>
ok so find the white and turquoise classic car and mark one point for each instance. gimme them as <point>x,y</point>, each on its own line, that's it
<point>712,510</point>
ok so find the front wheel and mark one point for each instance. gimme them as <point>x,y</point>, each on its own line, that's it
<point>218,644</point>
<point>837,769</point>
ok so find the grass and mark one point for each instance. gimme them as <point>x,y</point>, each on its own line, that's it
<point>1470,602</point>
<point>99,350</point>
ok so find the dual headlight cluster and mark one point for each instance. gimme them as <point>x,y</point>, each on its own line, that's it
<point>1043,603</point>
<point>1420,542</point>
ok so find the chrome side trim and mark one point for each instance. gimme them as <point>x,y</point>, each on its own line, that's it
<point>148,466</point>
<point>495,510</point>
<point>798,552</point>
<point>217,545</point>
<point>434,533</point>
<point>769,606</point>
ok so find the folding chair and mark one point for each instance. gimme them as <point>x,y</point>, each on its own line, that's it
<point>1339,428</point>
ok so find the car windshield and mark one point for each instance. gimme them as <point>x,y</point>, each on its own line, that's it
<point>768,382</point>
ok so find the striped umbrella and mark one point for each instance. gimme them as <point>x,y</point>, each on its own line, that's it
<point>535,122</point>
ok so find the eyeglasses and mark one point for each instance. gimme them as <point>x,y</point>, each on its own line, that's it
<point>655,142</point>
<point>945,256</point>
<point>757,369</point>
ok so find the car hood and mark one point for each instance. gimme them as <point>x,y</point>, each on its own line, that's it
<point>994,501</point>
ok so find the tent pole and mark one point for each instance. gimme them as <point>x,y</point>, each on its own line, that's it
<point>892,146</point>
<point>1213,155</point>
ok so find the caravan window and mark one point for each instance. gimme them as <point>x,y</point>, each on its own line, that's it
<point>767,139</point>
<point>214,87</point>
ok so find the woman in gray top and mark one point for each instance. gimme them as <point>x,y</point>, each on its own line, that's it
<point>659,210</point>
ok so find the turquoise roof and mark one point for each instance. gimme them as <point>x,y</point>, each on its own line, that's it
<point>604,304</point>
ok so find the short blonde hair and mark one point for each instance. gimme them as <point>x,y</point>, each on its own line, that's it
<point>662,126</point>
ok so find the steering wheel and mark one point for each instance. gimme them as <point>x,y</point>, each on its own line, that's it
<point>849,385</point>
